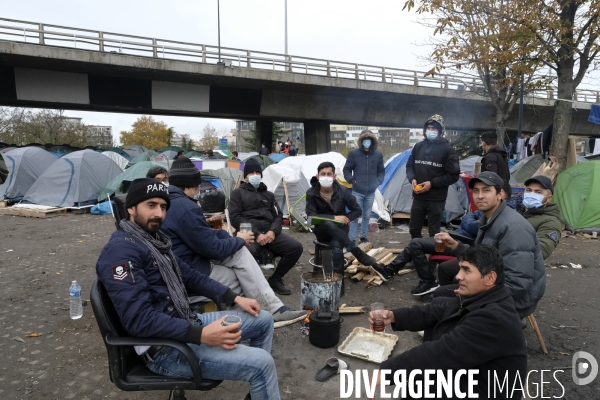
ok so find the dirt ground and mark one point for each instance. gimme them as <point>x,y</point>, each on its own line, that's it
<point>40,257</point>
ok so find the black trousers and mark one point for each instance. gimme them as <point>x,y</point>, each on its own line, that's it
<point>417,251</point>
<point>337,237</point>
<point>447,271</point>
<point>288,248</point>
<point>421,210</point>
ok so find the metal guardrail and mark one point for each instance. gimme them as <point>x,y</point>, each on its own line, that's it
<point>85,39</point>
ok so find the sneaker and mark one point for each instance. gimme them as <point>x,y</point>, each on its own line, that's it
<point>383,271</point>
<point>269,266</point>
<point>364,240</point>
<point>266,266</point>
<point>421,333</point>
<point>287,314</point>
<point>424,288</point>
<point>278,286</point>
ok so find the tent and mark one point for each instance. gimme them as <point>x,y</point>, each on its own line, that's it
<point>577,192</point>
<point>170,154</point>
<point>194,154</point>
<point>308,165</point>
<point>117,158</point>
<point>278,156</point>
<point>139,170</point>
<point>135,150</point>
<point>398,190</point>
<point>468,164</point>
<point>3,170</point>
<point>120,151</point>
<point>227,177</point>
<point>297,185</point>
<point>176,149</point>
<point>73,180</point>
<point>244,156</point>
<point>4,150</point>
<point>525,168</point>
<point>264,161</point>
<point>148,155</point>
<point>24,165</point>
<point>60,150</point>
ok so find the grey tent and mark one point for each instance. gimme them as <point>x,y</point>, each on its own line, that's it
<point>3,170</point>
<point>468,164</point>
<point>73,180</point>
<point>117,158</point>
<point>135,150</point>
<point>398,191</point>
<point>24,165</point>
<point>121,182</point>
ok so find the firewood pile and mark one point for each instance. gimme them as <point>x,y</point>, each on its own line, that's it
<point>359,272</point>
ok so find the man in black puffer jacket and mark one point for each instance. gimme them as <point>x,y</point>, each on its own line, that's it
<point>364,170</point>
<point>479,329</point>
<point>431,168</point>
<point>495,160</point>
<point>253,203</point>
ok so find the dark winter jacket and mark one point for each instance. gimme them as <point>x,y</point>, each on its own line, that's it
<point>341,200</point>
<point>434,161</point>
<point>496,160</point>
<point>263,151</point>
<point>546,222</point>
<point>141,296</point>
<point>481,332</point>
<point>193,240</point>
<point>516,240</point>
<point>364,169</point>
<point>469,224</point>
<point>256,206</point>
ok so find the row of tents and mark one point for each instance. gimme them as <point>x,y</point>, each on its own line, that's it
<point>87,177</point>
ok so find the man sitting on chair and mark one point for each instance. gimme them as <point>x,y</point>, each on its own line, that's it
<point>328,199</point>
<point>148,286</point>
<point>214,253</point>
<point>253,203</point>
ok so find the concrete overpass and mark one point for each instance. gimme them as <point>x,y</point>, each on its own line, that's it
<point>68,68</point>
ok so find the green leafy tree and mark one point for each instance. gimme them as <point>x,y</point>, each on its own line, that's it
<point>147,132</point>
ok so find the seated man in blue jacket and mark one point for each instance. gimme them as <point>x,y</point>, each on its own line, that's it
<point>214,253</point>
<point>253,203</point>
<point>148,286</point>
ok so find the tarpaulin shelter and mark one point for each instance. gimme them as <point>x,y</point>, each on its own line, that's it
<point>24,165</point>
<point>398,190</point>
<point>227,177</point>
<point>117,158</point>
<point>297,185</point>
<point>468,164</point>
<point>278,156</point>
<point>577,192</point>
<point>121,182</point>
<point>135,150</point>
<point>73,180</point>
<point>594,114</point>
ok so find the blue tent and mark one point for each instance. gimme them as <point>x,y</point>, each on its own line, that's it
<point>278,156</point>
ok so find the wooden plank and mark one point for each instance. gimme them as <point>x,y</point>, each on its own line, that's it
<point>405,271</point>
<point>390,257</point>
<point>4,203</point>
<point>359,276</point>
<point>25,212</point>
<point>363,246</point>
<point>401,215</point>
<point>396,251</point>
<point>351,310</point>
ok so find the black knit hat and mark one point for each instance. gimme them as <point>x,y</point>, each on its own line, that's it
<point>184,173</point>
<point>252,166</point>
<point>142,189</point>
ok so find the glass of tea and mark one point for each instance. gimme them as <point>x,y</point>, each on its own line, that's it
<point>439,245</point>
<point>245,227</point>
<point>231,320</point>
<point>377,316</point>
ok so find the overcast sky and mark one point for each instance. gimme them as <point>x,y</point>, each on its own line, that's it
<point>375,32</point>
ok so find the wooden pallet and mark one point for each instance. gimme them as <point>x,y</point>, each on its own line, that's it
<point>34,213</point>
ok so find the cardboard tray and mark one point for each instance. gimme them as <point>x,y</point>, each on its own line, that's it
<point>369,346</point>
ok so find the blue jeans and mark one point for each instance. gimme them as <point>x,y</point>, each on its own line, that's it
<point>252,364</point>
<point>365,201</point>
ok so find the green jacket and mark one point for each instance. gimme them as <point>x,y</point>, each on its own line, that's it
<point>547,225</point>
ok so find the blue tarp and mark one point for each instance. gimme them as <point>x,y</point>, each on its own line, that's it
<point>277,156</point>
<point>595,114</point>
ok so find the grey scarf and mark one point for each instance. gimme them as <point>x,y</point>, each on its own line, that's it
<point>160,247</point>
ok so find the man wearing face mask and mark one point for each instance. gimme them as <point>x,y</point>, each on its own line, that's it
<point>214,253</point>
<point>365,171</point>
<point>253,203</point>
<point>431,168</point>
<point>328,199</point>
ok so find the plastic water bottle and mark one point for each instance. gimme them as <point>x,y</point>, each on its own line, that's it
<point>75,294</point>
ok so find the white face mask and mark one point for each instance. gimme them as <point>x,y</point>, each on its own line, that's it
<point>254,180</point>
<point>326,181</point>
<point>431,135</point>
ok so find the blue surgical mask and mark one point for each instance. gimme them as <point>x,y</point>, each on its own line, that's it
<point>533,200</point>
<point>197,196</point>
<point>254,180</point>
<point>366,143</point>
<point>166,184</point>
<point>431,135</point>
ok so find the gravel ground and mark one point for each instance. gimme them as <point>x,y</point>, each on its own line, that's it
<point>40,257</point>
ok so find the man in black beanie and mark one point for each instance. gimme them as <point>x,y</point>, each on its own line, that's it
<point>214,253</point>
<point>149,285</point>
<point>253,203</point>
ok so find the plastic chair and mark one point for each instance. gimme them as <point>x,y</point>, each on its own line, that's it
<point>127,369</point>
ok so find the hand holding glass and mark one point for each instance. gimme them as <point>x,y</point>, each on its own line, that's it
<point>377,317</point>
<point>231,320</point>
<point>245,227</point>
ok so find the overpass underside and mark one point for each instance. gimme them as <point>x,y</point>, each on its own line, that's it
<point>53,77</point>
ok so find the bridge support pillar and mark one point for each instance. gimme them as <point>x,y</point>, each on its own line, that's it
<point>264,134</point>
<point>317,137</point>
